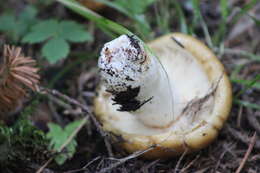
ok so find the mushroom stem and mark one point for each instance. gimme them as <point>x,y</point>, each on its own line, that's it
<point>137,81</point>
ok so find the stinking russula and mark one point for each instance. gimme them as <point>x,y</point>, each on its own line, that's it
<point>178,102</point>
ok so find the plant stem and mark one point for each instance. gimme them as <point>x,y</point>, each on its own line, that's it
<point>101,22</point>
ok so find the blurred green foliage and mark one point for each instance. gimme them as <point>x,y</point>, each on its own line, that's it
<point>57,35</point>
<point>135,10</point>
<point>15,27</point>
<point>54,34</point>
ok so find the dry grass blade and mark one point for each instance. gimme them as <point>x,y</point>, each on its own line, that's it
<point>179,161</point>
<point>17,73</point>
<point>183,170</point>
<point>249,150</point>
<point>125,159</point>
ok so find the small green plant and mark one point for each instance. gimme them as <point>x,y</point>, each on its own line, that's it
<point>56,35</point>
<point>15,27</point>
<point>60,136</point>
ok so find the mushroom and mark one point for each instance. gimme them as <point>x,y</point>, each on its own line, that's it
<point>177,102</point>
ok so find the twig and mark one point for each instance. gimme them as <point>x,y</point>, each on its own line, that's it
<point>36,166</point>
<point>89,163</point>
<point>55,114</point>
<point>125,159</point>
<point>75,132</point>
<point>219,160</point>
<point>59,102</point>
<point>255,158</point>
<point>45,165</point>
<point>251,117</point>
<point>75,102</point>
<point>242,137</point>
<point>84,167</point>
<point>179,161</point>
<point>146,167</point>
<point>84,108</point>
<point>190,164</point>
<point>249,150</point>
<point>239,116</point>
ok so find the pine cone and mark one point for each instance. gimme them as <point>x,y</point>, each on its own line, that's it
<point>17,74</point>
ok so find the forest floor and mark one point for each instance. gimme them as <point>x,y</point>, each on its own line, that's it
<point>235,40</point>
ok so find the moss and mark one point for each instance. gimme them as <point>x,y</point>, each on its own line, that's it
<point>22,143</point>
